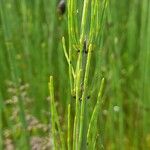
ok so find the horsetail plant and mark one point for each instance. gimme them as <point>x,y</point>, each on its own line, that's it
<point>36,36</point>
<point>54,118</point>
<point>80,134</point>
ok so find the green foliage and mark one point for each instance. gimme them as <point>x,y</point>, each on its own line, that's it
<point>89,41</point>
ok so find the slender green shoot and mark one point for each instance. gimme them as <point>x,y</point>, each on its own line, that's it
<point>95,113</point>
<point>55,119</point>
<point>84,96</point>
<point>69,128</point>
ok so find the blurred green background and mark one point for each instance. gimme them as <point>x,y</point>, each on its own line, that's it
<point>31,50</point>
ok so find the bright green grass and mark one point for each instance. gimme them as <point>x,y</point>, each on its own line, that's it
<point>36,43</point>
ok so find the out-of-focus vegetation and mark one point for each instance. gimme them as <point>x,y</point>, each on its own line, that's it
<point>31,50</point>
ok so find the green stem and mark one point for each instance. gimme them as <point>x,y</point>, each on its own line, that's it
<point>95,111</point>
<point>77,113</point>
<point>52,109</point>
<point>69,128</point>
<point>81,139</point>
<point>55,119</point>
